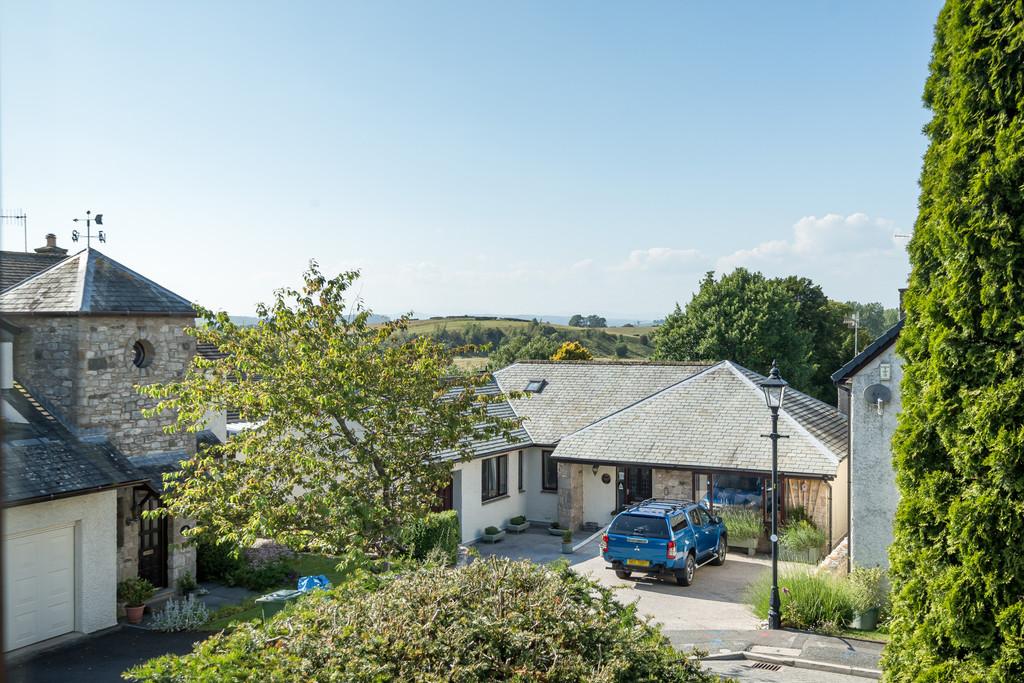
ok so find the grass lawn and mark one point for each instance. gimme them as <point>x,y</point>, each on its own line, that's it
<point>303,565</point>
<point>875,635</point>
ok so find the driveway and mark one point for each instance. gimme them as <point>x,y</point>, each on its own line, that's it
<point>714,601</point>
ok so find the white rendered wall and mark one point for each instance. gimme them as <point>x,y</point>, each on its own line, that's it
<point>598,497</point>
<point>541,505</point>
<point>476,515</point>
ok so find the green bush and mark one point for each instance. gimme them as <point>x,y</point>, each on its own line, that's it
<point>869,589</point>
<point>494,620</point>
<point>567,536</point>
<point>216,561</point>
<point>800,537</point>
<point>437,530</point>
<point>517,520</point>
<point>135,591</point>
<point>262,578</point>
<point>491,530</point>
<point>812,601</point>
<point>621,350</point>
<point>741,524</point>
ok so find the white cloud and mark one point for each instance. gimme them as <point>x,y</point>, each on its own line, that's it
<point>853,256</point>
<point>658,258</point>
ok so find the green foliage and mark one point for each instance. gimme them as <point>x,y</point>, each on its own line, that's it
<point>801,536</point>
<point>495,620</point>
<point>571,350</point>
<point>554,525</point>
<point>187,614</point>
<point>434,531</point>
<point>869,589</point>
<point>215,561</point>
<point>955,563</point>
<point>741,524</point>
<point>812,601</point>
<point>797,513</point>
<point>187,583</point>
<point>522,346</point>
<point>344,416</point>
<point>567,536</point>
<point>517,520</point>
<point>263,577</point>
<point>591,321</point>
<point>621,350</point>
<point>135,591</point>
<point>492,530</point>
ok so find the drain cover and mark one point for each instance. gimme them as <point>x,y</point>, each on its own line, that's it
<point>765,666</point>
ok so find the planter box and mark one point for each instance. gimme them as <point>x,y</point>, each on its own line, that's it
<point>556,532</point>
<point>518,528</point>
<point>493,538</point>
<point>567,548</point>
<point>808,556</point>
<point>866,621</point>
<point>750,544</point>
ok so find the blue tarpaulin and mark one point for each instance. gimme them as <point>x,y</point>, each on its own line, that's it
<point>311,583</point>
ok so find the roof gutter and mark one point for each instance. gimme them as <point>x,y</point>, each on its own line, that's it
<point>71,314</point>
<point>77,492</point>
<point>690,468</point>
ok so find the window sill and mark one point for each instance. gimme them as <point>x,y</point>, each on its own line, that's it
<point>555,491</point>
<point>495,499</point>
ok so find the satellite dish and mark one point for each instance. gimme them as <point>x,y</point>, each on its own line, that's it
<point>877,393</point>
<point>98,219</point>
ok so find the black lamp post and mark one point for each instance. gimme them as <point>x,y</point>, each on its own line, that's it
<point>774,390</point>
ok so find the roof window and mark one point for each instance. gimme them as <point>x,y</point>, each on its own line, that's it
<point>535,386</point>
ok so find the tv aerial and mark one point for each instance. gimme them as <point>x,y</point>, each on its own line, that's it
<point>89,220</point>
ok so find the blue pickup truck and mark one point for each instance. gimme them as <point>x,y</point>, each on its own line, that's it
<point>664,538</point>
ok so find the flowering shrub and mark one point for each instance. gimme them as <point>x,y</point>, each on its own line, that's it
<point>493,620</point>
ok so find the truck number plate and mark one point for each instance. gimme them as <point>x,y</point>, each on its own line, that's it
<point>637,563</point>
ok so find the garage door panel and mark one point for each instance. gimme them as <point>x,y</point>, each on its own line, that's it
<point>39,586</point>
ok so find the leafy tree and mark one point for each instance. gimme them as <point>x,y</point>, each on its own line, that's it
<point>576,321</point>
<point>344,417</point>
<point>743,317</point>
<point>621,350</point>
<point>572,350</point>
<point>596,321</point>
<point>523,346</point>
<point>874,318</point>
<point>957,567</point>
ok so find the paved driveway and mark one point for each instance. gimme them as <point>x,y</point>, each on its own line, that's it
<point>714,601</point>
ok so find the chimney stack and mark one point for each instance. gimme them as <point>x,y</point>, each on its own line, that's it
<point>51,246</point>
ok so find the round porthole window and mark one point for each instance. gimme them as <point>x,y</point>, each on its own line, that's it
<point>606,478</point>
<point>142,354</point>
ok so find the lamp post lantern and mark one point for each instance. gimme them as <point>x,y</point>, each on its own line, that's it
<point>774,389</point>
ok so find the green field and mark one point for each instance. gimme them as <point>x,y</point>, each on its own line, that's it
<point>599,346</point>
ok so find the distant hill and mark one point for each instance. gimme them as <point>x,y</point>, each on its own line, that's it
<point>250,320</point>
<point>554,319</point>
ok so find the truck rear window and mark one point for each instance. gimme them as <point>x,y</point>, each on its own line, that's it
<point>635,525</point>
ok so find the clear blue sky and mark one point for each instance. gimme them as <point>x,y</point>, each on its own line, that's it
<point>514,157</point>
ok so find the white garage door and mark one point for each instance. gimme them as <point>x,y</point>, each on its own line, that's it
<point>39,586</point>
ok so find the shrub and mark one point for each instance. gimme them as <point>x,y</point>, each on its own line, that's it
<point>797,513</point>
<point>621,350</point>
<point>435,530</point>
<point>216,561</point>
<point>869,588</point>
<point>491,530</point>
<point>741,524</point>
<point>262,578</point>
<point>800,537</point>
<point>567,536</point>
<point>572,350</point>
<point>812,601</point>
<point>181,615</point>
<point>187,584</point>
<point>135,591</point>
<point>494,620</point>
<point>517,520</point>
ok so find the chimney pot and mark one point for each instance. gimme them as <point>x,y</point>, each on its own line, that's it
<point>51,246</point>
<point>51,239</point>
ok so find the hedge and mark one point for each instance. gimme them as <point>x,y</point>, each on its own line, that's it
<point>437,530</point>
<point>494,620</point>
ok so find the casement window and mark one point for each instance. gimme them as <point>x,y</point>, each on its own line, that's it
<point>519,460</point>
<point>494,478</point>
<point>549,471</point>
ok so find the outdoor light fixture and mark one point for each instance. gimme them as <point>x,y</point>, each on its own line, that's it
<point>595,468</point>
<point>774,389</point>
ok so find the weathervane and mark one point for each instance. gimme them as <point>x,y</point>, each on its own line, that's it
<point>89,220</point>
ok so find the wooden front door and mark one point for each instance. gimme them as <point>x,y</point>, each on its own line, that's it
<point>445,498</point>
<point>152,544</point>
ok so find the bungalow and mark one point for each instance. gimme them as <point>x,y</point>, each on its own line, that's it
<point>600,435</point>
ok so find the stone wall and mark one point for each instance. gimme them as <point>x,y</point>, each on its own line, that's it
<point>45,359</point>
<point>570,496</point>
<point>672,484</point>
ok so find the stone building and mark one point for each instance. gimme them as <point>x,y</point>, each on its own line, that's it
<point>79,333</point>
<point>869,392</point>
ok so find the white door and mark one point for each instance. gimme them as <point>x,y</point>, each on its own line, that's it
<point>39,586</point>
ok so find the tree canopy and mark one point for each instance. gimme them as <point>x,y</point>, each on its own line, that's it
<point>957,568</point>
<point>571,350</point>
<point>344,419</point>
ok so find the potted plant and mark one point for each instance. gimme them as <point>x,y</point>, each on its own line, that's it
<point>493,534</point>
<point>133,593</point>
<point>187,584</point>
<point>567,542</point>
<point>555,530</point>
<point>518,524</point>
<point>801,542</point>
<point>870,595</point>
<point>744,527</point>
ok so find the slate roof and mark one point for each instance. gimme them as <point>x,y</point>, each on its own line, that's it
<point>209,351</point>
<point>43,460</point>
<point>579,393</point>
<point>154,465</point>
<point>887,339</point>
<point>497,444</point>
<point>711,420</point>
<point>92,283</point>
<point>16,266</point>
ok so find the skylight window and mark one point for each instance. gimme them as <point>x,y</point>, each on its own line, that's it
<point>535,386</point>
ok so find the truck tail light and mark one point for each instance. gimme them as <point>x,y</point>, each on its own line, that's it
<point>671,554</point>
<point>604,543</point>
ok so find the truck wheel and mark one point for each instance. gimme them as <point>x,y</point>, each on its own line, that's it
<point>684,576</point>
<point>623,574</point>
<point>723,546</point>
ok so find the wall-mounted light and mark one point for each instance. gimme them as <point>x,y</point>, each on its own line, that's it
<point>184,528</point>
<point>595,468</point>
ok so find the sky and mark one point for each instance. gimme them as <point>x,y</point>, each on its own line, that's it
<point>471,157</point>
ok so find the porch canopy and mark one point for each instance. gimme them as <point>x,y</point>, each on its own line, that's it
<point>713,420</point>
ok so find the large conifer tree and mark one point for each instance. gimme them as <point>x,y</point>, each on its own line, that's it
<point>958,555</point>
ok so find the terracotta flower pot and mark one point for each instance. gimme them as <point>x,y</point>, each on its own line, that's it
<point>134,613</point>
